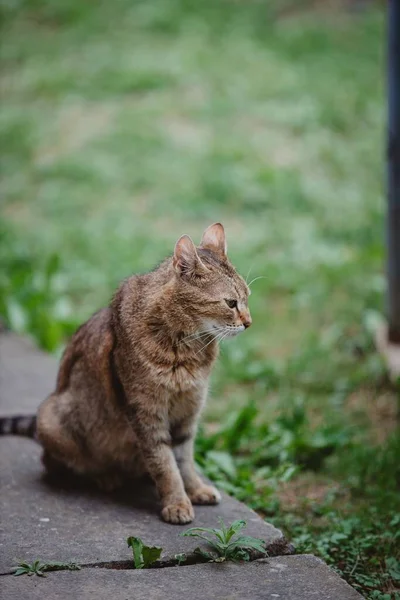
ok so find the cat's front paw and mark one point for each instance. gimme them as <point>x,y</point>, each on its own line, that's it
<point>205,494</point>
<point>178,512</point>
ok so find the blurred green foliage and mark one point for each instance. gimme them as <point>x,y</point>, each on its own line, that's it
<point>33,294</point>
<point>126,124</point>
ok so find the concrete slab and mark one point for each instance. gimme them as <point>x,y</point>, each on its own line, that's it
<point>27,375</point>
<point>66,521</point>
<point>282,578</point>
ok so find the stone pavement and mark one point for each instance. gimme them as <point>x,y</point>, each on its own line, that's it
<point>281,578</point>
<point>66,521</point>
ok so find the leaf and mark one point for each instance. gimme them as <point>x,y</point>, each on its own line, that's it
<point>224,462</point>
<point>223,531</point>
<point>143,556</point>
<point>219,547</point>
<point>180,558</point>
<point>52,267</point>
<point>56,565</point>
<point>393,567</point>
<point>192,531</point>
<point>234,550</point>
<point>234,528</point>
<point>20,571</point>
<point>137,547</point>
<point>248,542</point>
<point>239,554</point>
<point>288,473</point>
<point>150,555</point>
<point>238,426</point>
<point>196,532</point>
<point>206,555</point>
<point>221,535</point>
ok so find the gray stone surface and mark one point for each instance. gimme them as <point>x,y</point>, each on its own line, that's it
<point>27,375</point>
<point>282,578</point>
<point>66,521</point>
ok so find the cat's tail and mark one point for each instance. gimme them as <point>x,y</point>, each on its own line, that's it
<point>19,425</point>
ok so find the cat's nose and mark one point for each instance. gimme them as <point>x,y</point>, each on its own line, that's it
<point>246,319</point>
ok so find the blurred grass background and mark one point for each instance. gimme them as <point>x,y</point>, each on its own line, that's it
<point>127,124</point>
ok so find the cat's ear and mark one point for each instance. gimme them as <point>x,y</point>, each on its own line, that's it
<point>186,261</point>
<point>214,239</point>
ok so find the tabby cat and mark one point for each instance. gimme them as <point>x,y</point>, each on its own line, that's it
<point>133,378</point>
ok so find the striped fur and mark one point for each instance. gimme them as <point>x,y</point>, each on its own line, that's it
<point>24,425</point>
<point>133,379</point>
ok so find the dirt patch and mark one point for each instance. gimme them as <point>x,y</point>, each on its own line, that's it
<point>306,490</point>
<point>380,409</point>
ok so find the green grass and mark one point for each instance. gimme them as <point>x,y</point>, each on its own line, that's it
<point>126,124</point>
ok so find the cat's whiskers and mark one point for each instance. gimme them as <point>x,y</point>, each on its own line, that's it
<point>201,334</point>
<point>222,338</point>
<point>198,335</point>
<point>255,279</point>
<point>208,343</point>
<point>219,336</point>
<point>248,274</point>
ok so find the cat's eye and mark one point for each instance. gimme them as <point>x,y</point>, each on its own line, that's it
<point>231,303</point>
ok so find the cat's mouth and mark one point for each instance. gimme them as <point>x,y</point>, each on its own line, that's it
<point>230,330</point>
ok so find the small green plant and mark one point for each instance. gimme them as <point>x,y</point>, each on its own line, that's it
<point>226,542</point>
<point>180,558</point>
<point>37,567</point>
<point>143,556</point>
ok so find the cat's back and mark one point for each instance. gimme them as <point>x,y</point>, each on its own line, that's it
<point>91,344</point>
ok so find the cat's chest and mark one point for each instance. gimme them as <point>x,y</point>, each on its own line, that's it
<point>183,378</point>
<point>186,393</point>
<point>184,407</point>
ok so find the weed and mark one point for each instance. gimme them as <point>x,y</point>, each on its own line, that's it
<point>180,558</point>
<point>226,542</point>
<point>250,457</point>
<point>37,567</point>
<point>359,537</point>
<point>143,556</point>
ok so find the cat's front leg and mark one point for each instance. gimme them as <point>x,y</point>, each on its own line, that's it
<point>198,491</point>
<point>155,447</point>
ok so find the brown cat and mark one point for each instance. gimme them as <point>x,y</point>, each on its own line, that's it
<point>133,379</point>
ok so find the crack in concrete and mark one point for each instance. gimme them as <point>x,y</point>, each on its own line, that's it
<point>279,547</point>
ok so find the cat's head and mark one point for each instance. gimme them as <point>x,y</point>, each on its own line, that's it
<point>213,294</point>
